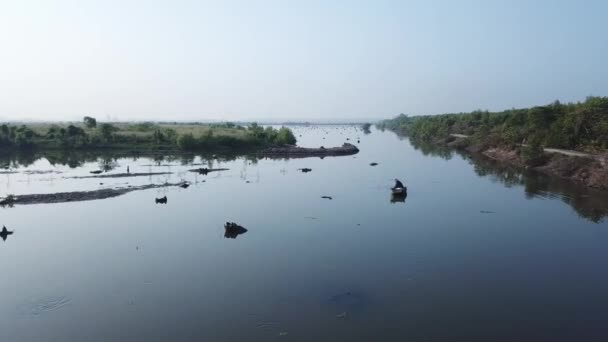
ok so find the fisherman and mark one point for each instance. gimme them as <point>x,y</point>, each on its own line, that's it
<point>398,184</point>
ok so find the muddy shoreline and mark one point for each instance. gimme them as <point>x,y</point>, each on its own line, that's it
<point>303,152</point>
<point>78,196</point>
<point>589,171</point>
<point>123,175</point>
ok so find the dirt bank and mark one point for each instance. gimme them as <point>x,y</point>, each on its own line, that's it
<point>591,171</point>
<point>302,152</point>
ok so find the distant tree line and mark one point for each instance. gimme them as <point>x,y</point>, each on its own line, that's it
<point>90,134</point>
<point>582,125</point>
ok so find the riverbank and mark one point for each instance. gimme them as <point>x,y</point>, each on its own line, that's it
<point>586,169</point>
<point>565,140</point>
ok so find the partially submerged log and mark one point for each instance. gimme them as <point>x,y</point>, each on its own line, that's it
<point>302,152</point>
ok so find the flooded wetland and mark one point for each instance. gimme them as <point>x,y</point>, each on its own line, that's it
<point>224,248</point>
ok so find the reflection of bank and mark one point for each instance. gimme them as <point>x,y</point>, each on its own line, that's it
<point>588,203</point>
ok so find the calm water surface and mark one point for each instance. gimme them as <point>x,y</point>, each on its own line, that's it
<point>477,252</point>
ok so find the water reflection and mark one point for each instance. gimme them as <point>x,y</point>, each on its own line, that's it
<point>108,160</point>
<point>588,203</point>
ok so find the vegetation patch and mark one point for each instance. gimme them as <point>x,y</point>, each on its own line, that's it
<point>90,134</point>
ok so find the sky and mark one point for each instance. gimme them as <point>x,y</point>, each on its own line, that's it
<point>295,60</point>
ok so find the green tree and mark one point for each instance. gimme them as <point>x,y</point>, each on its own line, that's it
<point>90,122</point>
<point>107,131</point>
<point>285,137</point>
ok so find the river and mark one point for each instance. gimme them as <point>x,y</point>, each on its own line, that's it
<point>477,252</point>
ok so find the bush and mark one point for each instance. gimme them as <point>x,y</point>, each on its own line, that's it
<point>187,142</point>
<point>534,155</point>
<point>285,137</point>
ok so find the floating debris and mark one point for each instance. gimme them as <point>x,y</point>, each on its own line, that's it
<point>162,200</point>
<point>373,164</point>
<point>487,212</point>
<point>5,233</point>
<point>305,170</point>
<point>232,230</point>
<point>327,197</point>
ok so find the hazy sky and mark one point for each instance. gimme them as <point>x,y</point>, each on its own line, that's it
<point>230,60</point>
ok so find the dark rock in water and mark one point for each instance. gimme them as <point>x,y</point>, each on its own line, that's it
<point>96,172</point>
<point>184,185</point>
<point>305,170</point>
<point>327,197</point>
<point>162,200</point>
<point>373,164</point>
<point>5,233</point>
<point>232,230</point>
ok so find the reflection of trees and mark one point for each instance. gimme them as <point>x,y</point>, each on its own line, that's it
<point>588,203</point>
<point>433,150</point>
<point>107,160</point>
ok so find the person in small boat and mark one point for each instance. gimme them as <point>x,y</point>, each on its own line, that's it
<point>398,184</point>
